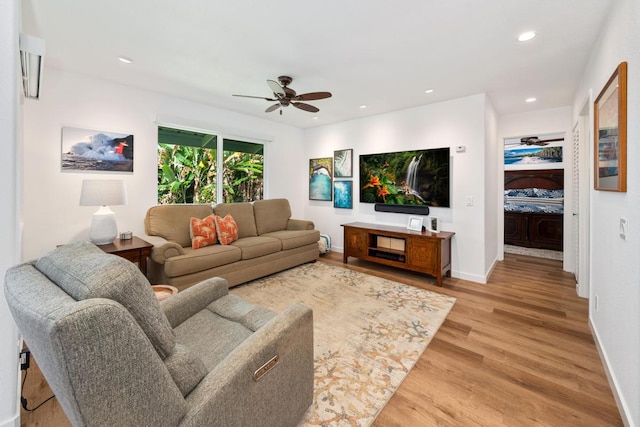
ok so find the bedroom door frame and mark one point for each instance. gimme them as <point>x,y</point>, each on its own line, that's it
<point>584,141</point>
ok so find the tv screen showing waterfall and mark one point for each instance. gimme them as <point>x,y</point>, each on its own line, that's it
<point>419,177</point>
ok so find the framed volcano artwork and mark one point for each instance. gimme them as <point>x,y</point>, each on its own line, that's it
<point>86,150</point>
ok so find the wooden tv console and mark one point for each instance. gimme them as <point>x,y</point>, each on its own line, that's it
<point>424,252</point>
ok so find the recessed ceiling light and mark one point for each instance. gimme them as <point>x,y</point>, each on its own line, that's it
<point>125,59</point>
<point>526,36</point>
<point>532,99</point>
<point>363,106</point>
<point>428,91</point>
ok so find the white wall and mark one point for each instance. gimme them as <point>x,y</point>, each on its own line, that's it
<point>52,215</point>
<point>539,122</point>
<point>615,270</point>
<point>446,124</point>
<point>9,204</point>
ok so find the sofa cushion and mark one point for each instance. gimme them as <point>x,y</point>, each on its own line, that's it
<point>84,271</point>
<point>295,238</point>
<point>172,221</point>
<point>254,247</point>
<point>243,215</point>
<point>202,232</point>
<point>271,215</point>
<point>201,259</point>
<point>227,229</point>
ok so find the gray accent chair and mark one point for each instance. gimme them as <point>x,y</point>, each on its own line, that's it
<point>113,355</point>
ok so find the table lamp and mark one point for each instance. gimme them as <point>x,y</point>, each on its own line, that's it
<point>103,192</point>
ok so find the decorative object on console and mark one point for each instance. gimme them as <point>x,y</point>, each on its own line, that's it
<point>31,61</point>
<point>343,163</point>
<point>434,225</point>
<point>343,194</point>
<point>320,178</point>
<point>406,178</point>
<point>103,193</point>
<point>90,150</point>
<point>415,223</point>
<point>610,117</point>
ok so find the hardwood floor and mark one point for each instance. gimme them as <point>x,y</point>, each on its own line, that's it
<point>517,351</point>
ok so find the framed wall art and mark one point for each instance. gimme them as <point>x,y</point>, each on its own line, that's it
<point>320,179</point>
<point>90,150</point>
<point>610,117</point>
<point>343,163</point>
<point>343,194</point>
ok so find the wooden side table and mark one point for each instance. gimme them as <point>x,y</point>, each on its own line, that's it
<point>135,250</point>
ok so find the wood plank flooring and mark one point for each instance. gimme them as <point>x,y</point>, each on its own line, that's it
<point>517,351</point>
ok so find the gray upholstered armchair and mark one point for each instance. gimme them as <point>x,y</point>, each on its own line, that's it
<point>113,355</point>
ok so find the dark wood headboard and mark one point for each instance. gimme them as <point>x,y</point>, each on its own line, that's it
<point>551,179</point>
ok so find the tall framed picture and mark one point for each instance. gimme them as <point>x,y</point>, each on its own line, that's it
<point>91,150</point>
<point>320,179</point>
<point>343,194</point>
<point>343,163</point>
<point>610,117</point>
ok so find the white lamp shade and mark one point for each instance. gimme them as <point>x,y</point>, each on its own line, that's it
<point>103,192</point>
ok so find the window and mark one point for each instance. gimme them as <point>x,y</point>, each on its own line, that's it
<point>188,172</point>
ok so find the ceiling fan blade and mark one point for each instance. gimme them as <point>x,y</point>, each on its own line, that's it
<point>276,88</point>
<point>312,96</point>
<point>305,107</point>
<point>256,97</point>
<point>272,108</point>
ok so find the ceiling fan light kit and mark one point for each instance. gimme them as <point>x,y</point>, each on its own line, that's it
<point>284,96</point>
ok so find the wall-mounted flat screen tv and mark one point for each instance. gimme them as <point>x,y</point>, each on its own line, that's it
<point>419,177</point>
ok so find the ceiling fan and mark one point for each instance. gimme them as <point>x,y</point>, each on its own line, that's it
<point>285,96</point>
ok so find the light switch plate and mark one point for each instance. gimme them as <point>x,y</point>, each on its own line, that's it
<point>623,228</point>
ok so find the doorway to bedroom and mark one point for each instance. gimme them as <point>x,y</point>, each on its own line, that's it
<point>534,195</point>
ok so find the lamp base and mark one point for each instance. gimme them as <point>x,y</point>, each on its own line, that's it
<point>103,226</point>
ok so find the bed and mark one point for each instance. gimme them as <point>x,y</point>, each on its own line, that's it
<point>534,208</point>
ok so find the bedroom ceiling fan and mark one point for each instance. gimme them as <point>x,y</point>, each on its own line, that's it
<point>284,96</point>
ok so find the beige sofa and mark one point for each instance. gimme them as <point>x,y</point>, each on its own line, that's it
<point>269,241</point>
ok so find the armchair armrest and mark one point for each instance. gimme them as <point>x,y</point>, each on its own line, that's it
<point>300,224</point>
<point>185,304</point>
<point>278,398</point>
<point>163,249</point>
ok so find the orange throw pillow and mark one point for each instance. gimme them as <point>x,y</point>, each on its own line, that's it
<point>203,232</point>
<point>227,229</point>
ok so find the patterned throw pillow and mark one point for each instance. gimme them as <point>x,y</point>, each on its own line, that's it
<point>227,229</point>
<point>203,232</point>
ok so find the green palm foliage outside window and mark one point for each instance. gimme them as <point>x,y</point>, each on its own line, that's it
<point>187,171</point>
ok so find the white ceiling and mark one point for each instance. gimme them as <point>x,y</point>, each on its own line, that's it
<point>378,53</point>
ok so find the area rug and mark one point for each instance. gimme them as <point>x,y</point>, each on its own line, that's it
<point>368,334</point>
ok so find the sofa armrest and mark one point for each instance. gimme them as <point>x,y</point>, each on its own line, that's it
<point>163,249</point>
<point>183,305</point>
<point>280,397</point>
<point>300,224</point>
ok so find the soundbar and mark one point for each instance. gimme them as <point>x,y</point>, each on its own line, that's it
<point>407,209</point>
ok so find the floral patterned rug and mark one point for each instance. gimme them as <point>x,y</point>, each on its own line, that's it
<point>368,333</point>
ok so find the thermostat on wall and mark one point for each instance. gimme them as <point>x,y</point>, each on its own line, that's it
<point>461,148</point>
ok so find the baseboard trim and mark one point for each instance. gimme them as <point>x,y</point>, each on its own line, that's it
<point>623,408</point>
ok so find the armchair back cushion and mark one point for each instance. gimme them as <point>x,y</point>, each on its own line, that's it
<point>84,271</point>
<point>172,222</point>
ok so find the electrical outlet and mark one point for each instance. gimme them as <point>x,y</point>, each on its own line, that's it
<point>25,359</point>
<point>469,200</point>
